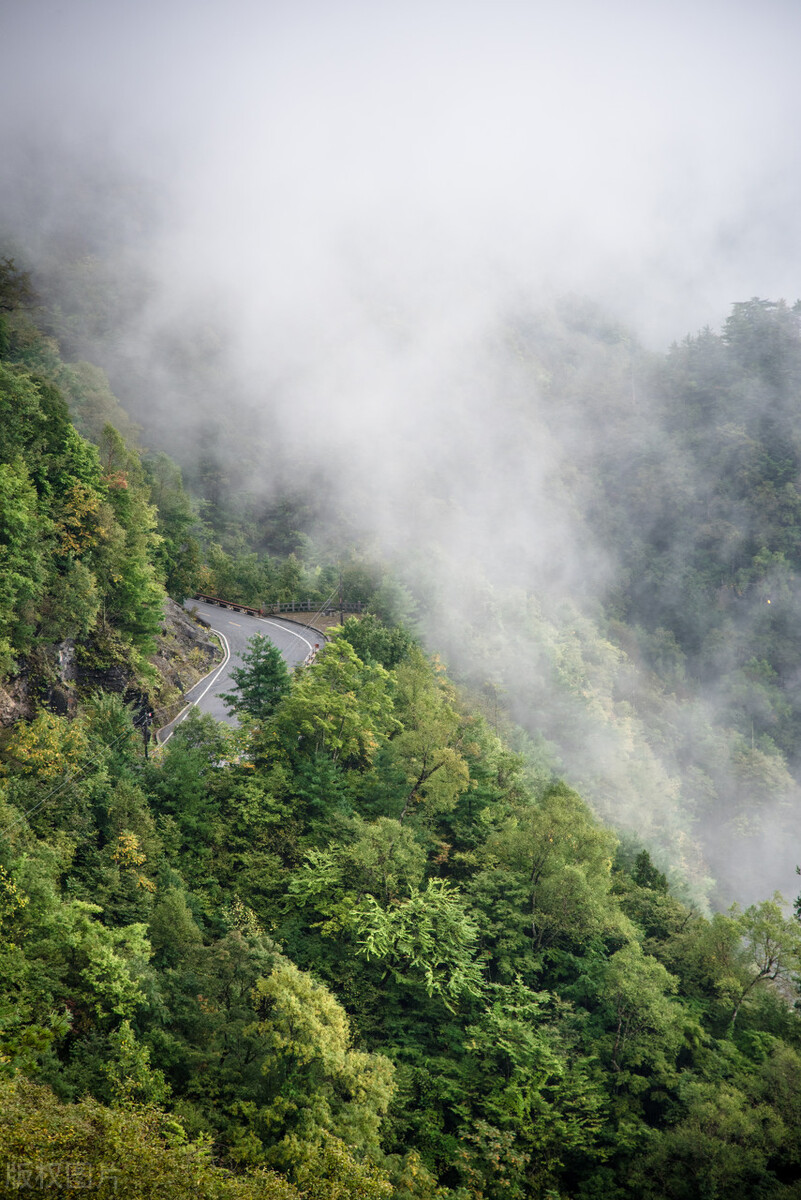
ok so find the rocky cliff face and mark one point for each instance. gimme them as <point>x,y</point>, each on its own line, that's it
<point>59,675</point>
<point>16,700</point>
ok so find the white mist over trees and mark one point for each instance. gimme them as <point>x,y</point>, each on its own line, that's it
<point>397,291</point>
<point>322,244</point>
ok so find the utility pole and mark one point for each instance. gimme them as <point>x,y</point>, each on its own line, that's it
<point>146,720</point>
<point>341,602</point>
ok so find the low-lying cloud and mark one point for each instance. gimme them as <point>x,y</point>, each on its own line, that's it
<point>325,218</point>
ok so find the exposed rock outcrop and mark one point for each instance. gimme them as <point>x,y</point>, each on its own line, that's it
<point>58,675</point>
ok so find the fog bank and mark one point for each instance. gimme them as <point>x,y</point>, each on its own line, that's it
<point>306,237</point>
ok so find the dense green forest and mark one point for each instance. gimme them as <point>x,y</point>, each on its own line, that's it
<point>376,941</point>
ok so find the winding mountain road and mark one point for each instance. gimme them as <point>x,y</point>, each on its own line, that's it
<point>235,629</point>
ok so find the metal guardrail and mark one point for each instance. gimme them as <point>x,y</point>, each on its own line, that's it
<point>284,606</point>
<point>256,612</point>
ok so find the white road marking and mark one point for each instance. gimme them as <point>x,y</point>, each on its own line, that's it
<point>286,630</point>
<point>211,678</point>
<point>222,664</point>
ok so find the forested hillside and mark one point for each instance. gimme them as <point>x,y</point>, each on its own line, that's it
<point>654,649</point>
<point>371,942</point>
<point>601,536</point>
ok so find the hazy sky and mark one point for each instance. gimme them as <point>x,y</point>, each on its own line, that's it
<point>644,152</point>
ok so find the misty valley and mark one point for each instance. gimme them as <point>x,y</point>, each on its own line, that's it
<point>400,600</point>
<point>496,897</point>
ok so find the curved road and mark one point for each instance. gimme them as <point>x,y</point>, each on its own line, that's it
<point>235,629</point>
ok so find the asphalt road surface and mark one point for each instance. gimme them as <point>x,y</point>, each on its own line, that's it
<point>235,630</point>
